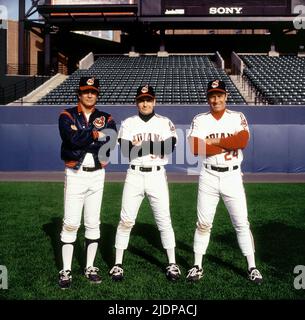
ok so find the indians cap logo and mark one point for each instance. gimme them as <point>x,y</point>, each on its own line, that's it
<point>99,122</point>
<point>215,84</point>
<point>144,89</point>
<point>90,82</point>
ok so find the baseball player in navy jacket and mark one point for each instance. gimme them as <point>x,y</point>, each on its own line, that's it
<point>88,135</point>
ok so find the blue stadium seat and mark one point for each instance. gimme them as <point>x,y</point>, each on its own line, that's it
<point>178,79</point>
<point>276,80</point>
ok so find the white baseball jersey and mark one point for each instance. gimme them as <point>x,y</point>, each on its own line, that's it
<point>158,128</point>
<point>206,126</point>
<point>152,184</point>
<point>228,184</point>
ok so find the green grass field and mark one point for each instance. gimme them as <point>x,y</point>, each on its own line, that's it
<point>30,223</point>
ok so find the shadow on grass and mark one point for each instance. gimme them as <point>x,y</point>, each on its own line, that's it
<point>144,230</point>
<point>106,247</point>
<point>150,233</point>
<point>53,230</point>
<point>188,248</point>
<point>278,245</point>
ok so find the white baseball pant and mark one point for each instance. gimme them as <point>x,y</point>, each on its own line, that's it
<point>229,186</point>
<point>83,190</point>
<point>154,185</point>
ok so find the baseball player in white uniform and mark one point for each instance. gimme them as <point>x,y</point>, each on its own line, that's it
<point>147,139</point>
<point>219,137</point>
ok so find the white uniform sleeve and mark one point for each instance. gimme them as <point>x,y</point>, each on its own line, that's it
<point>242,123</point>
<point>124,132</point>
<point>194,129</point>
<point>169,130</point>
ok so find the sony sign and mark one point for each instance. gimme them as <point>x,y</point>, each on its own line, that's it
<point>225,10</point>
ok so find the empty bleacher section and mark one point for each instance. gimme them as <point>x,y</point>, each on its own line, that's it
<point>276,80</point>
<point>16,87</point>
<point>177,79</point>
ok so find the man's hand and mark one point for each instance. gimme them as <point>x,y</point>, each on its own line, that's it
<point>136,142</point>
<point>104,163</point>
<point>212,141</point>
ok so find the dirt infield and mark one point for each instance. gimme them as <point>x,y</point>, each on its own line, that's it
<point>172,177</point>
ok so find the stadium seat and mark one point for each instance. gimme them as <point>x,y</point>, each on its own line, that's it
<point>178,79</point>
<point>276,80</point>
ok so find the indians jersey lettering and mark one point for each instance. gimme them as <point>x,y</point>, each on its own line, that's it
<point>158,128</point>
<point>206,126</point>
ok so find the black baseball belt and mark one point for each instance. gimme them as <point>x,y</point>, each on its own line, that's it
<point>220,169</point>
<point>91,169</point>
<point>144,169</point>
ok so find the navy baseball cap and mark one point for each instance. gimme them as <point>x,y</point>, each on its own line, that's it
<point>89,83</point>
<point>216,86</point>
<point>145,91</point>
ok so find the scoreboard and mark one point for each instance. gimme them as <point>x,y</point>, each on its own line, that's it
<point>219,7</point>
<point>226,7</point>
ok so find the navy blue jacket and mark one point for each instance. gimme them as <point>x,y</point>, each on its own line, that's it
<point>80,137</point>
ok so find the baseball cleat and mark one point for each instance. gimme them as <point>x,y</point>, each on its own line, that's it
<point>255,276</point>
<point>91,273</point>
<point>173,272</point>
<point>194,274</point>
<point>117,272</point>
<point>65,279</point>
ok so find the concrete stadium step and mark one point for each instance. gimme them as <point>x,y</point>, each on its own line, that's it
<point>34,96</point>
<point>247,93</point>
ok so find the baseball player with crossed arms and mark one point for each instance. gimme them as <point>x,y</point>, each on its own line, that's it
<point>219,136</point>
<point>86,144</point>
<point>147,139</point>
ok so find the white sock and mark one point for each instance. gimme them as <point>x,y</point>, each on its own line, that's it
<point>67,254</point>
<point>171,255</point>
<point>91,252</point>
<point>198,260</point>
<point>251,261</point>
<point>119,256</point>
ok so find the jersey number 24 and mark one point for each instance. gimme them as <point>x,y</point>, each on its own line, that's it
<point>231,154</point>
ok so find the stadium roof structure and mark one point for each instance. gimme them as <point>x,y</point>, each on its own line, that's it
<point>120,17</point>
<point>82,17</point>
<point>216,22</point>
<point>139,22</point>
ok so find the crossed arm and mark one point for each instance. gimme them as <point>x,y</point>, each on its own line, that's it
<point>136,148</point>
<point>212,146</point>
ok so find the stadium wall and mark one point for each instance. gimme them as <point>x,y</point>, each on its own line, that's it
<point>2,52</point>
<point>30,139</point>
